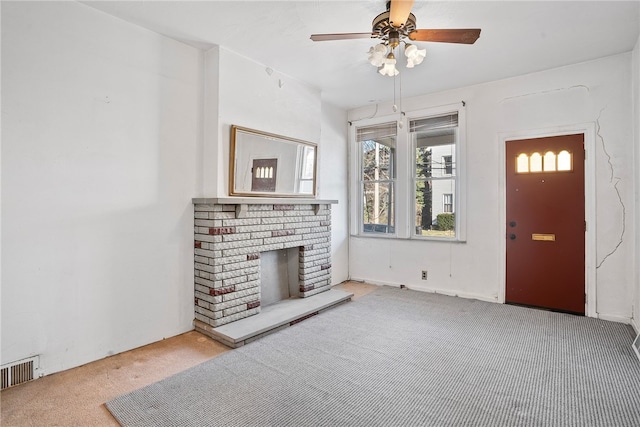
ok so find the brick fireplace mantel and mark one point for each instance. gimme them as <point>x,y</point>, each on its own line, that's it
<point>231,233</point>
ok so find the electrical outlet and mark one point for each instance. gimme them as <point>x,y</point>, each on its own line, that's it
<point>424,274</point>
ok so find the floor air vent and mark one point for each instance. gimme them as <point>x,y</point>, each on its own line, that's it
<point>19,372</point>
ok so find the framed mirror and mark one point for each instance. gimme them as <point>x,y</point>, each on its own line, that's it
<point>268,165</point>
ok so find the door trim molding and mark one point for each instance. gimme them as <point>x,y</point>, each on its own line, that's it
<point>589,132</point>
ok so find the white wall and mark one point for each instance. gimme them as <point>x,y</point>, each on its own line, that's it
<point>595,93</point>
<point>635,77</point>
<point>333,184</point>
<point>101,136</point>
<point>252,95</point>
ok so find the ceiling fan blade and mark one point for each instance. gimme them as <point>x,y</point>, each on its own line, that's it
<point>399,12</point>
<point>340,36</point>
<point>464,36</point>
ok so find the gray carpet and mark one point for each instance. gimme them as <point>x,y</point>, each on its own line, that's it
<point>405,358</point>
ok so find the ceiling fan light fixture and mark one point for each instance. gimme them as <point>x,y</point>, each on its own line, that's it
<point>389,67</point>
<point>377,55</point>
<point>414,55</point>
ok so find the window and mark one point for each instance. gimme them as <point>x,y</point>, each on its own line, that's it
<point>447,202</point>
<point>434,141</point>
<point>306,163</point>
<point>547,163</point>
<point>377,177</point>
<point>407,175</point>
<point>448,165</point>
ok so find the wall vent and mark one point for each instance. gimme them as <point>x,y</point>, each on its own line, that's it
<point>19,372</point>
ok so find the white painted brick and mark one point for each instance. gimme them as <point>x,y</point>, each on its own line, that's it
<point>203,238</point>
<point>265,214</point>
<point>260,207</point>
<point>204,282</point>
<point>252,294</point>
<point>233,318</point>
<point>248,285</point>
<point>238,282</point>
<point>202,289</point>
<point>282,220</point>
<point>240,221</point>
<point>257,228</point>
<point>312,274</point>
<point>303,208</point>
<point>216,222</point>
<point>234,310</point>
<point>227,275</point>
<point>254,263</point>
<point>232,302</point>
<point>301,224</point>
<point>312,258</point>
<point>201,259</point>
<point>204,304</point>
<point>207,208</point>
<point>282,239</point>
<point>223,215</point>
<point>208,268</point>
<point>316,291</point>
<point>208,313</point>
<point>203,252</point>
<point>203,319</point>
<point>230,259</point>
<point>253,277</point>
<point>238,244</point>
<point>203,274</point>
<point>260,234</point>
<point>313,236</point>
<point>301,231</point>
<point>229,208</point>
<point>252,249</point>
<point>201,215</point>
<point>315,242</point>
<point>236,237</point>
<point>323,277</point>
<point>204,222</point>
<point>209,298</point>
<point>315,252</point>
<point>201,230</point>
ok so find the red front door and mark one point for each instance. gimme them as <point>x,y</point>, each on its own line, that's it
<point>545,223</point>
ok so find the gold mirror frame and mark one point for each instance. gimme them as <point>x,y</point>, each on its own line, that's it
<point>268,165</point>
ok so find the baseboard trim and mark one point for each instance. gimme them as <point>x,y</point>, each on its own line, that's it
<point>614,318</point>
<point>636,327</point>
<point>421,288</point>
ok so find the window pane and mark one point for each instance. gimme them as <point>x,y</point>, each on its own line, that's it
<point>522,163</point>
<point>549,162</point>
<point>564,161</point>
<point>432,217</point>
<point>377,212</point>
<point>435,161</point>
<point>377,161</point>
<point>536,162</point>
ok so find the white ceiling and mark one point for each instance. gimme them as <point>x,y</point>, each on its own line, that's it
<point>518,37</point>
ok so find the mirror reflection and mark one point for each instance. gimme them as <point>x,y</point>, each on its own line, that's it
<point>268,165</point>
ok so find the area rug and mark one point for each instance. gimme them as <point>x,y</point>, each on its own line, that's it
<point>397,357</point>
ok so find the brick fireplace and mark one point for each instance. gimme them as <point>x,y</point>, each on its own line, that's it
<point>230,236</point>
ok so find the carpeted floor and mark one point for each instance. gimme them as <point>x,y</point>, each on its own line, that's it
<point>405,358</point>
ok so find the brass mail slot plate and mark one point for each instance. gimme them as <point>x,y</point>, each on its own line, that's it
<point>544,237</point>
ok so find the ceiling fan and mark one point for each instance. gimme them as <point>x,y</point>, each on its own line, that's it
<point>393,27</point>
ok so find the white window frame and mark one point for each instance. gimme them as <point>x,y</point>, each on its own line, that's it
<point>357,207</point>
<point>459,200</point>
<point>404,193</point>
